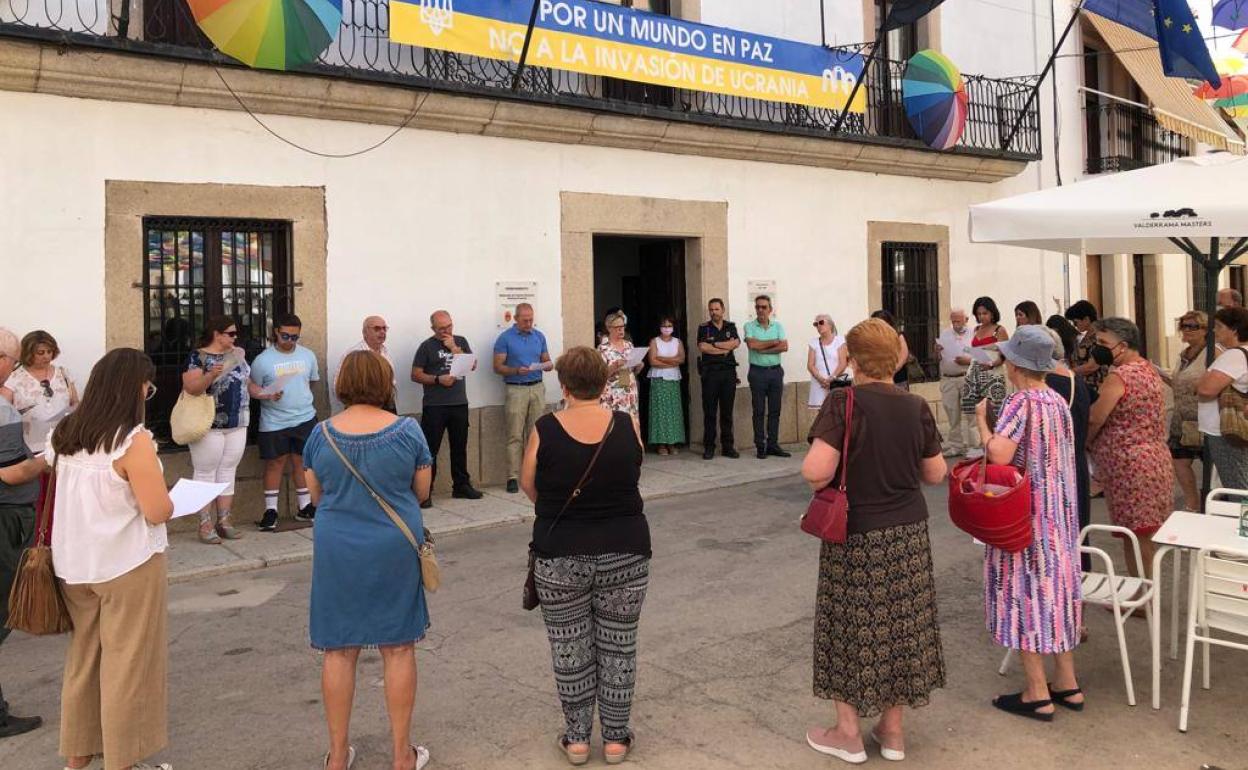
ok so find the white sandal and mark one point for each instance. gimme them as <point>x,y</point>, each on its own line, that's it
<point>350,757</point>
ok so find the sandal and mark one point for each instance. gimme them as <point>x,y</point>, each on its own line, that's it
<point>615,758</point>
<point>422,756</point>
<point>208,534</point>
<point>1063,698</point>
<point>574,757</point>
<point>225,528</point>
<point>1014,704</point>
<point>350,757</point>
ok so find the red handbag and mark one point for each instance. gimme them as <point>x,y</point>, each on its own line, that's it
<point>827,516</point>
<point>992,503</point>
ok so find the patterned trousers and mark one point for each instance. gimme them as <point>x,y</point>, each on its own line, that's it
<point>591,605</point>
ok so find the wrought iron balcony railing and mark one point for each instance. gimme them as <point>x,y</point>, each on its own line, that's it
<point>1121,136</point>
<point>363,51</point>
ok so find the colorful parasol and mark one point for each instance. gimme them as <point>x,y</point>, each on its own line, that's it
<point>1231,14</point>
<point>269,34</point>
<point>1232,85</point>
<point>1241,42</point>
<point>935,99</point>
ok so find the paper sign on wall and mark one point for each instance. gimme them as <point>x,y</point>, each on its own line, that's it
<point>756,286</point>
<point>508,294</point>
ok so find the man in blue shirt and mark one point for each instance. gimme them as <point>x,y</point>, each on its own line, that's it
<point>287,417</point>
<point>764,337</point>
<point>520,357</point>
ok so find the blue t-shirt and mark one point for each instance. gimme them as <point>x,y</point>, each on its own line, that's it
<point>521,350</point>
<point>295,407</point>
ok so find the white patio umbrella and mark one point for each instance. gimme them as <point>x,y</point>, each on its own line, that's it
<point>1199,205</point>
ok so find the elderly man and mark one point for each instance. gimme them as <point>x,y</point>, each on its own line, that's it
<point>445,405</point>
<point>951,347</point>
<point>374,333</point>
<point>1230,298</point>
<point>19,488</point>
<point>520,357</point>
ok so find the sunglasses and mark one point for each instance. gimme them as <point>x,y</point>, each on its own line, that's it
<point>288,337</point>
<point>1190,327</point>
<point>47,388</point>
<point>231,335</point>
<point>762,307</point>
<point>151,391</point>
<point>820,323</point>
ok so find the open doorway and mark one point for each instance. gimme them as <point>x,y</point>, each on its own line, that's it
<point>645,277</point>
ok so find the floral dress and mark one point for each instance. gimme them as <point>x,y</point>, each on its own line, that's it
<point>1131,456</point>
<point>621,391</point>
<point>1032,598</point>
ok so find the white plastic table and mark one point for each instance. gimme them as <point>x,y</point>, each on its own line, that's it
<point>1184,531</point>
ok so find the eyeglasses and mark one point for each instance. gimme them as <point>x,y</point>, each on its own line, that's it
<point>231,335</point>
<point>616,326</point>
<point>151,391</point>
<point>288,337</point>
<point>1190,327</point>
<point>47,388</point>
<point>380,328</point>
<point>762,307</point>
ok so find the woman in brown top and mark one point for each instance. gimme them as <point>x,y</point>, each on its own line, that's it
<point>877,643</point>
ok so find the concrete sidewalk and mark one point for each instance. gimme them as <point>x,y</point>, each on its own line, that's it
<point>660,477</point>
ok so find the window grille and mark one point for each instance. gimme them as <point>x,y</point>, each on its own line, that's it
<point>911,287</point>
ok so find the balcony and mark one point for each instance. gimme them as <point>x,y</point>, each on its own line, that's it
<point>362,53</point>
<point>1122,136</point>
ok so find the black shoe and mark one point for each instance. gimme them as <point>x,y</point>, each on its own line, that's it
<point>268,522</point>
<point>12,725</point>
<point>306,513</point>
<point>467,493</point>
<point>708,453</point>
<point>427,502</point>
<point>762,454</point>
<point>730,453</point>
<point>776,451</point>
<point>513,486</point>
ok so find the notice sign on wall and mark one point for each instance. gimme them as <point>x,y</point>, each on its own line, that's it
<point>600,39</point>
<point>756,286</point>
<point>508,294</point>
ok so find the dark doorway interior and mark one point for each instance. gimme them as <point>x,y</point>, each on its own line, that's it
<point>646,278</point>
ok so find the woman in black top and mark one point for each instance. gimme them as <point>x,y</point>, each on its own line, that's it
<point>593,553</point>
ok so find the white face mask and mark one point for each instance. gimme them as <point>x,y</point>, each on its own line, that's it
<point>666,329</point>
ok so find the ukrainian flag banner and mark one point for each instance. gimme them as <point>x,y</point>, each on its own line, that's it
<point>600,39</point>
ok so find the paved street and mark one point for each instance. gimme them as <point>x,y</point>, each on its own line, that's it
<point>724,673</point>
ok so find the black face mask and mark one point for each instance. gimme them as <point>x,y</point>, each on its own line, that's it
<point>1102,355</point>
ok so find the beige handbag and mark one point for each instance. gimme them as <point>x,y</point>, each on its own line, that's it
<point>430,573</point>
<point>192,417</point>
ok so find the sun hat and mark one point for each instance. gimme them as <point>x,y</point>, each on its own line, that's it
<point>1031,347</point>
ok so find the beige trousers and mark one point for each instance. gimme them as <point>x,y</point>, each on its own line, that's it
<point>963,433</point>
<point>525,403</point>
<point>113,700</point>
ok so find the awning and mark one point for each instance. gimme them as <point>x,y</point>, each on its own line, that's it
<point>1174,105</point>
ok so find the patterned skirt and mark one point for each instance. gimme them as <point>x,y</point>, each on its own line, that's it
<point>667,418</point>
<point>877,641</point>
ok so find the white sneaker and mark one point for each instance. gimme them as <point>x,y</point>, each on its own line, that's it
<point>422,756</point>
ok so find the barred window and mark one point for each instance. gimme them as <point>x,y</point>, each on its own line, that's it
<point>911,285</point>
<point>195,269</point>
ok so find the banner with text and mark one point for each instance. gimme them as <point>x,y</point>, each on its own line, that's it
<point>599,39</point>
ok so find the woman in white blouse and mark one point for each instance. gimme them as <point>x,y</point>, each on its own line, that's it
<point>108,550</point>
<point>42,392</point>
<point>827,360</point>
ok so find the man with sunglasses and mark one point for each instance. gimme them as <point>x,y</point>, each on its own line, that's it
<point>19,488</point>
<point>764,336</point>
<point>287,417</point>
<point>444,409</point>
<point>375,332</point>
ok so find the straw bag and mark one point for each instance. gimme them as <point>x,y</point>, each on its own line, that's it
<point>36,605</point>
<point>992,503</point>
<point>430,572</point>
<point>192,417</point>
<point>827,515</point>
<point>1233,422</point>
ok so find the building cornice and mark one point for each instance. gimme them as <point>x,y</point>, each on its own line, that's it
<point>37,67</point>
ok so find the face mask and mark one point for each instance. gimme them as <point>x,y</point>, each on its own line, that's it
<point>1102,355</point>
<point>666,329</point>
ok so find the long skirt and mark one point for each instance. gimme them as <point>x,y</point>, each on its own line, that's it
<point>667,418</point>
<point>877,640</point>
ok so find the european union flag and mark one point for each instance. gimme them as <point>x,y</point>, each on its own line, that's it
<point>1184,53</point>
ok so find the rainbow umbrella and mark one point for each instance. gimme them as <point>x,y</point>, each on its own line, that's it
<point>1241,42</point>
<point>1231,14</point>
<point>935,99</point>
<point>1232,85</point>
<point>269,34</point>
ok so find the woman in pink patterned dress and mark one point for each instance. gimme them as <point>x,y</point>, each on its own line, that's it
<point>1032,598</point>
<point>1127,439</point>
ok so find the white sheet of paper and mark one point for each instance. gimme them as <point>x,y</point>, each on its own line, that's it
<point>980,356</point>
<point>636,356</point>
<point>278,385</point>
<point>462,364</point>
<point>191,496</point>
<point>546,366</point>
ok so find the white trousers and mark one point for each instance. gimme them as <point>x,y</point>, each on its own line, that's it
<point>962,430</point>
<point>216,456</point>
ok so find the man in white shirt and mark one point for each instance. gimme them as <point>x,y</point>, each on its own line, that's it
<point>951,347</point>
<point>374,339</point>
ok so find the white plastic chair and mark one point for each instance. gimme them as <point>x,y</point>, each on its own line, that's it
<point>1225,501</point>
<point>1219,602</point>
<point>1121,593</point>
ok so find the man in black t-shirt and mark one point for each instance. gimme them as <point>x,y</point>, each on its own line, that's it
<point>445,408</point>
<point>717,342</point>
